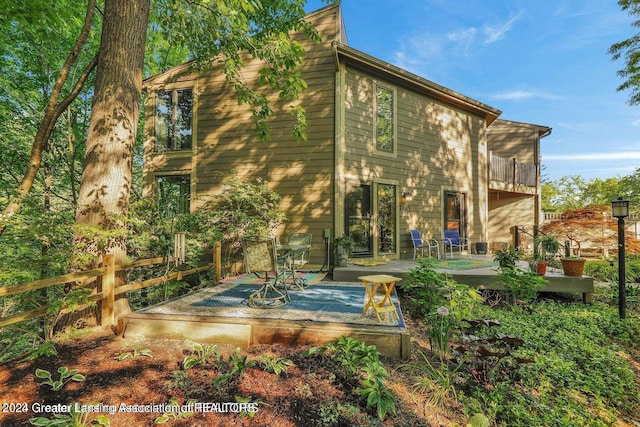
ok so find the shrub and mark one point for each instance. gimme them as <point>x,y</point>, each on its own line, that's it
<point>521,285</point>
<point>428,289</point>
<point>600,270</point>
<point>578,367</point>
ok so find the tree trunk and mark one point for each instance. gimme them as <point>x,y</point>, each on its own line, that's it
<point>106,178</point>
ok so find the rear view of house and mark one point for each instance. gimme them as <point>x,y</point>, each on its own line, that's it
<point>387,151</point>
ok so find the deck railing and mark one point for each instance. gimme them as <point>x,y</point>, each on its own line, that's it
<point>511,171</point>
<point>551,216</point>
<point>106,291</point>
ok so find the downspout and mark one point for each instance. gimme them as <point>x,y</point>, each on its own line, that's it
<point>538,213</point>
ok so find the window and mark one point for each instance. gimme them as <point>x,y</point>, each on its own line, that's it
<point>174,194</point>
<point>174,116</point>
<point>384,119</point>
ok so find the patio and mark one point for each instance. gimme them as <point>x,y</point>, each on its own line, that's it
<point>324,311</point>
<point>319,314</point>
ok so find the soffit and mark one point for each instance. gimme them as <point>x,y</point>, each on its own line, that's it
<point>371,64</point>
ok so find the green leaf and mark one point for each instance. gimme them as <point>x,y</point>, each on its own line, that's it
<point>78,377</point>
<point>162,419</point>
<point>41,373</point>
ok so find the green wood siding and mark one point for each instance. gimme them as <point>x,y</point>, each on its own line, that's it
<point>439,148</point>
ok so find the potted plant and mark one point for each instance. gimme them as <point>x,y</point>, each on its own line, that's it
<point>507,259</point>
<point>573,266</point>
<point>344,246</point>
<point>547,248</point>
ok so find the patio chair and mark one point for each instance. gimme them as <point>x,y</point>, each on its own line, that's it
<point>421,244</point>
<point>296,256</point>
<point>452,241</point>
<point>260,258</point>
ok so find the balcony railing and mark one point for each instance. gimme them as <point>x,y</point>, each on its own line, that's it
<point>510,171</point>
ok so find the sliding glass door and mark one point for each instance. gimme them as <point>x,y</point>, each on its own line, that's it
<point>359,218</point>
<point>371,218</point>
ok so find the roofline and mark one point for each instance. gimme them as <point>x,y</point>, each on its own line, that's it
<point>167,74</point>
<point>371,63</point>
<point>542,130</point>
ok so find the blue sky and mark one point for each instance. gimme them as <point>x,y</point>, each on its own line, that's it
<point>543,62</point>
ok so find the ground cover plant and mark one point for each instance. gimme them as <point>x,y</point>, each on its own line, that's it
<point>538,362</point>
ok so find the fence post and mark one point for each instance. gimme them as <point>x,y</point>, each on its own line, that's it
<point>108,288</point>
<point>217,259</point>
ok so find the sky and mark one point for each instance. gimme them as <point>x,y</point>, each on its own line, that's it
<point>543,62</point>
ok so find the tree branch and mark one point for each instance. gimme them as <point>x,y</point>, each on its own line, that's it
<point>52,112</point>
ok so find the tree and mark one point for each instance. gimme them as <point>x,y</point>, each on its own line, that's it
<point>574,192</point>
<point>58,99</point>
<point>629,49</point>
<point>220,31</point>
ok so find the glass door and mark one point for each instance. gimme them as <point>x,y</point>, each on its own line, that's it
<point>454,212</point>
<point>386,218</point>
<point>371,218</point>
<point>358,218</point>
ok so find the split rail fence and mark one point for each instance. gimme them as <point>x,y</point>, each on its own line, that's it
<point>106,291</point>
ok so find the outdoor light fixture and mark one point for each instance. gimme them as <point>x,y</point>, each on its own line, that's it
<point>405,198</point>
<point>620,210</point>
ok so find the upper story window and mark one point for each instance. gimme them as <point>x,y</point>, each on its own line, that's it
<point>384,119</point>
<point>174,119</point>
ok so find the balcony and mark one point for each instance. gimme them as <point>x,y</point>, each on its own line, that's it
<point>507,174</point>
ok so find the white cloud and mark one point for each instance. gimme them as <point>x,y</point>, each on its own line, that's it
<point>519,95</point>
<point>465,35</point>
<point>622,155</point>
<point>497,32</point>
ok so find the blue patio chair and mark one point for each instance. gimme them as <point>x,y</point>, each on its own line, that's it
<point>452,241</point>
<point>421,244</point>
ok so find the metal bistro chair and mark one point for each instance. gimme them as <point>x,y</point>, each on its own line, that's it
<point>296,256</point>
<point>452,241</point>
<point>421,244</point>
<point>260,258</point>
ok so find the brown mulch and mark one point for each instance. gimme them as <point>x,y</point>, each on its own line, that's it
<point>309,393</point>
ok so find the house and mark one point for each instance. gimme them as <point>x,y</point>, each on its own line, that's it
<point>514,180</point>
<point>387,150</point>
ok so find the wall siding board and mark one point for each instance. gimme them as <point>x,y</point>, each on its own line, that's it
<point>436,146</point>
<point>302,173</point>
<point>440,145</point>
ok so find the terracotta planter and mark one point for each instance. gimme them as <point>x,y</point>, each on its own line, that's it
<point>573,267</point>
<point>541,267</point>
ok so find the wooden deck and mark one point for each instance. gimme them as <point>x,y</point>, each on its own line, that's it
<point>315,316</point>
<point>481,278</point>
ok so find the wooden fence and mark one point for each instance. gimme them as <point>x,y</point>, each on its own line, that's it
<point>107,290</point>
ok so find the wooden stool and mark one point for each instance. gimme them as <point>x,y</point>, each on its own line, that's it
<point>385,283</point>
